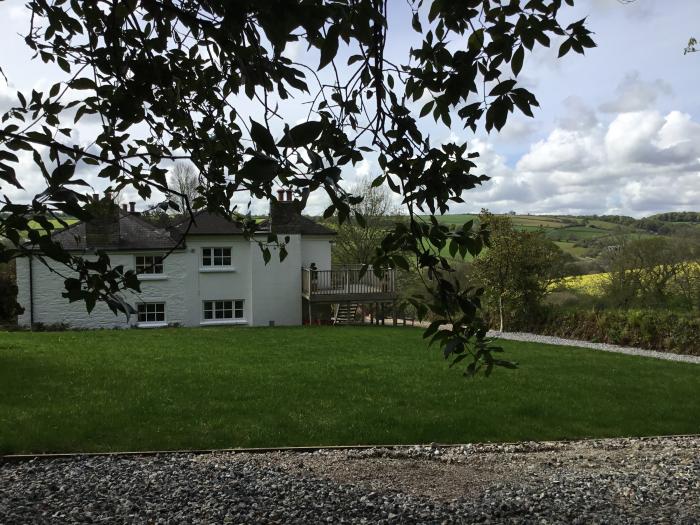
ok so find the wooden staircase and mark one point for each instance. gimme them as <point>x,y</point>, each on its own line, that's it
<point>344,313</point>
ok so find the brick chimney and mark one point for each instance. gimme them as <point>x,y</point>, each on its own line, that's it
<point>103,228</point>
<point>284,213</point>
<point>132,207</point>
<point>125,208</point>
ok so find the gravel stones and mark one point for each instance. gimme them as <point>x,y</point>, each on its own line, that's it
<point>654,480</point>
<point>551,340</point>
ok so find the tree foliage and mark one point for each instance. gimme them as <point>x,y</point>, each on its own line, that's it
<point>208,82</point>
<point>517,270</point>
<point>647,270</point>
<point>186,185</point>
<point>357,240</point>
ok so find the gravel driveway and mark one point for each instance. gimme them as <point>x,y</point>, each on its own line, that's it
<point>605,347</point>
<point>654,480</point>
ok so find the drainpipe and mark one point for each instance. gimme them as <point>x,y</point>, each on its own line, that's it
<point>31,293</point>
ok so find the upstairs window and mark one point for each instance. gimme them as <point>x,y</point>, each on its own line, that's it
<point>151,312</point>
<point>212,257</point>
<point>227,309</point>
<point>149,264</point>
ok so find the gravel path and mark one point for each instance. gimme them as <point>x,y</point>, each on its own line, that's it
<point>654,480</point>
<point>550,340</point>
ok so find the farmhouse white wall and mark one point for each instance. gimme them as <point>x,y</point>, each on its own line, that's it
<point>270,292</point>
<point>277,285</point>
<point>316,250</point>
<point>51,308</point>
<point>211,284</point>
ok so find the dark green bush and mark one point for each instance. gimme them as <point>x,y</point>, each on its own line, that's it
<point>9,309</point>
<point>646,328</point>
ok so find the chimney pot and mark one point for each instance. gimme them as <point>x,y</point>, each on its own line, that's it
<point>132,207</point>
<point>289,195</point>
<point>125,207</point>
<point>280,195</point>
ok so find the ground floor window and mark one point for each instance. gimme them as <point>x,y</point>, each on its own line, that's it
<point>151,312</point>
<point>226,309</point>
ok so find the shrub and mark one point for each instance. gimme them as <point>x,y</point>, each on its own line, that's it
<point>9,309</point>
<point>645,328</point>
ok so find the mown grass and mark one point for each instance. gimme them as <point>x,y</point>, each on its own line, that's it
<point>247,387</point>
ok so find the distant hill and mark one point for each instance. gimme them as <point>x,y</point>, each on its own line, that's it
<point>677,216</point>
<point>587,235</point>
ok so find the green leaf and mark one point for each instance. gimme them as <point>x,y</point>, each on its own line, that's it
<point>415,23</point>
<point>502,88</point>
<point>378,181</point>
<point>82,83</point>
<point>565,47</point>
<point>262,137</point>
<point>301,134</point>
<point>516,63</point>
<point>476,40</point>
<point>427,108</point>
<point>329,48</point>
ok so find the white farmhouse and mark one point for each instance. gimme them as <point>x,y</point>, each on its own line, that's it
<point>212,276</point>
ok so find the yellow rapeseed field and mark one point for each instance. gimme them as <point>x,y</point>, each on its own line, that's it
<point>591,284</point>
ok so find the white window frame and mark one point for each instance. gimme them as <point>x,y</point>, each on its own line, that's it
<point>210,261</point>
<point>147,274</point>
<point>212,307</point>
<point>155,321</point>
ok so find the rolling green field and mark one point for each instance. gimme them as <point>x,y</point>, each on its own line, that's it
<point>247,387</point>
<point>565,230</point>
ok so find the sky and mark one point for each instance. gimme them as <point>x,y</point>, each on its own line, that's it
<point>618,130</point>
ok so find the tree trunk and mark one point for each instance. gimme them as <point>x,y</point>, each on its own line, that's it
<point>500,312</point>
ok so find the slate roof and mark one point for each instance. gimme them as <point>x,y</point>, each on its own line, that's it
<point>284,218</point>
<point>206,223</point>
<point>134,234</point>
<point>302,225</point>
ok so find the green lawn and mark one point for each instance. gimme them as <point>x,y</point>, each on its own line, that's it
<point>246,387</point>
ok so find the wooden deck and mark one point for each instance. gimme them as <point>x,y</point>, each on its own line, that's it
<point>347,285</point>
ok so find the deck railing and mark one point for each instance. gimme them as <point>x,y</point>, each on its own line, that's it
<point>347,280</point>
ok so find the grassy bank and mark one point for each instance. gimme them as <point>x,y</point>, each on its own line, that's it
<point>230,387</point>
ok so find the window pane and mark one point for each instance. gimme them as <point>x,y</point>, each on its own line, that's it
<point>149,264</point>
<point>151,312</point>
<point>223,309</point>
<point>216,256</point>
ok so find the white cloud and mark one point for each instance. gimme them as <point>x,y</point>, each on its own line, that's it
<point>636,94</point>
<point>641,163</point>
